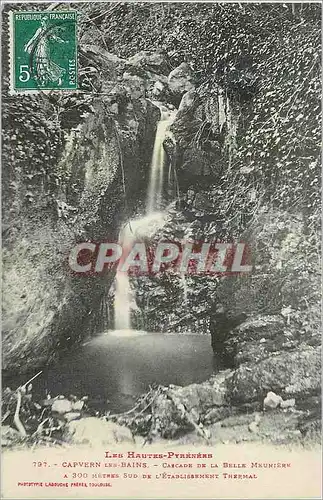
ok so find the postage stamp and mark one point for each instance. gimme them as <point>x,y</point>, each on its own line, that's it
<point>43,51</point>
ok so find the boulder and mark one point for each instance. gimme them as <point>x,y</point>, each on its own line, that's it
<point>182,408</point>
<point>110,64</point>
<point>201,396</point>
<point>259,327</point>
<point>72,415</point>
<point>94,431</point>
<point>253,427</point>
<point>295,373</point>
<point>168,421</point>
<point>78,405</point>
<point>114,108</point>
<point>272,400</point>
<point>181,80</point>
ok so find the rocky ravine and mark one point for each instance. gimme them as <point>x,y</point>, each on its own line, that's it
<point>98,175</point>
<point>261,323</point>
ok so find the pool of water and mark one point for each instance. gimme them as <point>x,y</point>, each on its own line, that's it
<point>116,367</point>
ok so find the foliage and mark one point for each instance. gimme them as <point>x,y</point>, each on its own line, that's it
<point>280,148</point>
<point>265,53</point>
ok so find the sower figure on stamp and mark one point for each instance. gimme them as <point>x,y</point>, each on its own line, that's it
<point>39,47</point>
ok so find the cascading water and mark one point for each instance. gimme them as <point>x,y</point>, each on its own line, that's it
<point>123,297</point>
<point>156,182</point>
<point>124,300</point>
<point>146,226</point>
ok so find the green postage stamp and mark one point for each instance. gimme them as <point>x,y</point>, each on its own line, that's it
<point>43,50</point>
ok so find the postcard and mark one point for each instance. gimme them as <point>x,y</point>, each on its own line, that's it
<point>161,218</point>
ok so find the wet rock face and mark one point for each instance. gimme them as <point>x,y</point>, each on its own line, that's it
<point>206,130</point>
<point>102,169</point>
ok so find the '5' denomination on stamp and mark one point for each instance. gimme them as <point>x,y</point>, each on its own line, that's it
<point>43,50</point>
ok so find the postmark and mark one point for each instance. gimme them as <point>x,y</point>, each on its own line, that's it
<point>43,51</point>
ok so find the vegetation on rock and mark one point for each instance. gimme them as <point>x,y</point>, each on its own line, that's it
<point>244,153</point>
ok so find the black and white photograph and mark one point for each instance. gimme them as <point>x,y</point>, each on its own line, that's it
<point>161,232</point>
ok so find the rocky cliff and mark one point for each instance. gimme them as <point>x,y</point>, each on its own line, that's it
<point>77,168</point>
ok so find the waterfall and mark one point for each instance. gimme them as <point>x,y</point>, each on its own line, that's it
<point>122,302</point>
<point>146,226</point>
<point>123,296</point>
<point>158,160</point>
